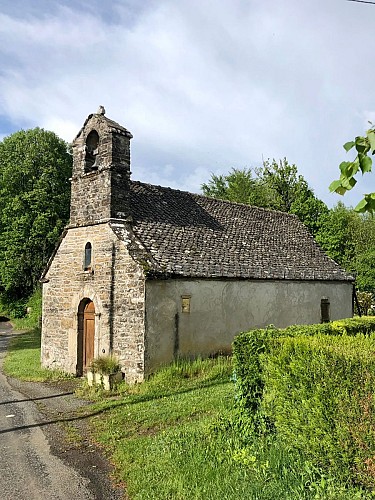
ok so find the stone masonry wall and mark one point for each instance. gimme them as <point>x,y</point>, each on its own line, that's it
<point>116,286</point>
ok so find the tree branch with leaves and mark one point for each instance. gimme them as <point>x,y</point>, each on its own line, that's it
<point>364,146</point>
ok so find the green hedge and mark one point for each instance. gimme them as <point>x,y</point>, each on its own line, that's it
<point>248,346</point>
<point>314,385</point>
<point>319,396</point>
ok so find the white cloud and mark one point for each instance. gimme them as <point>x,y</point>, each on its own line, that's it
<point>203,85</point>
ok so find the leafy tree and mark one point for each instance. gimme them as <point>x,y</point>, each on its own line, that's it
<point>349,238</point>
<point>217,186</point>
<point>337,235</point>
<point>292,194</point>
<point>240,186</point>
<point>284,181</point>
<point>364,146</point>
<point>366,301</point>
<point>311,211</point>
<point>35,167</point>
<point>365,268</point>
<point>365,233</point>
<point>276,185</point>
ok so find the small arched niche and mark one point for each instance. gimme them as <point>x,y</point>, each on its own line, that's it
<point>92,144</point>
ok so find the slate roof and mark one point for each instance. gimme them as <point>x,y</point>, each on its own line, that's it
<point>190,235</point>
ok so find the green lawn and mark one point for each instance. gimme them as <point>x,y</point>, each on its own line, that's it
<point>23,359</point>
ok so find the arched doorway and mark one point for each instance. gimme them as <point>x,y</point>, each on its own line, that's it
<point>86,335</point>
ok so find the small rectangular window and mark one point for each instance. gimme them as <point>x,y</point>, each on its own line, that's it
<point>325,310</point>
<point>185,303</point>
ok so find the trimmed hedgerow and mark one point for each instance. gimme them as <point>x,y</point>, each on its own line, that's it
<point>248,346</point>
<point>319,395</point>
<point>314,386</point>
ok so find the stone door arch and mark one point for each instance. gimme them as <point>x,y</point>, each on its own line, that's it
<point>86,335</point>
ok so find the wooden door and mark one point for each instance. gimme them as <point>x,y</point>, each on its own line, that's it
<point>88,334</point>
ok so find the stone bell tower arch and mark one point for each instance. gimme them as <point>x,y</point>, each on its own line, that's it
<point>101,171</point>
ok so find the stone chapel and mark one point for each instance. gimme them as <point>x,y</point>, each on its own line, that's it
<point>150,274</point>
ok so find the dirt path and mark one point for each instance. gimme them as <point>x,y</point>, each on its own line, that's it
<point>38,459</point>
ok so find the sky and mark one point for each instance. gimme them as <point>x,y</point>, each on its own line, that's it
<point>203,85</point>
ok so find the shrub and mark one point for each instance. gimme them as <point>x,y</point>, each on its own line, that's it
<point>24,313</point>
<point>13,308</point>
<point>248,346</point>
<point>313,385</point>
<point>319,394</point>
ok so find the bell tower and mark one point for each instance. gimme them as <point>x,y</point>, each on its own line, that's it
<point>101,171</point>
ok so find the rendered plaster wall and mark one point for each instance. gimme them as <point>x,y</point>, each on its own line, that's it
<point>221,309</point>
<point>116,286</point>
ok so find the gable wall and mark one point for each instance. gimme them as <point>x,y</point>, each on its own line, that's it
<point>221,309</point>
<point>117,289</point>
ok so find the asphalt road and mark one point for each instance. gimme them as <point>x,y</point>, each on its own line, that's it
<point>28,467</point>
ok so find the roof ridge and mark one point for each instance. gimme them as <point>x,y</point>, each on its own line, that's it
<point>219,200</point>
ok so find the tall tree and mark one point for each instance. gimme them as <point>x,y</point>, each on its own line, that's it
<point>35,167</point>
<point>284,181</point>
<point>337,235</point>
<point>276,185</point>
<point>348,237</point>
<point>310,210</point>
<point>365,269</point>
<point>291,193</point>
<point>240,186</point>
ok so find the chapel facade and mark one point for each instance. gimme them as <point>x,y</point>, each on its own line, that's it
<point>150,274</point>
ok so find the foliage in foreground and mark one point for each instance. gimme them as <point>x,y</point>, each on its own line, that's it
<point>319,395</point>
<point>249,346</point>
<point>178,436</point>
<point>312,387</point>
<point>364,146</point>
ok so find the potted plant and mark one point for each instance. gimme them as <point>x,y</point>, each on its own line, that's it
<point>104,371</point>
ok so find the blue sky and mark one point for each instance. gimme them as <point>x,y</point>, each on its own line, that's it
<point>203,85</point>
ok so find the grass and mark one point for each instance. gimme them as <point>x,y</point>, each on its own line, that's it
<point>176,436</point>
<point>23,359</point>
<point>16,309</point>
